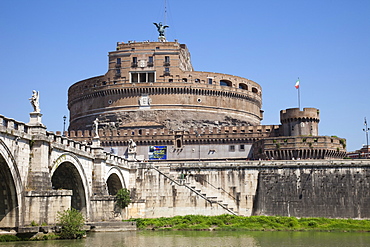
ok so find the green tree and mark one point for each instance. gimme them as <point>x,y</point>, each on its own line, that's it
<point>123,198</point>
<point>71,221</point>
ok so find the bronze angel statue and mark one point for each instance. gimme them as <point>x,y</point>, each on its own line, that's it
<point>160,28</point>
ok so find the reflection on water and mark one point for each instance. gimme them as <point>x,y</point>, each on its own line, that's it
<point>208,239</point>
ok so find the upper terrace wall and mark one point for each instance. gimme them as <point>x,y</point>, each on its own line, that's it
<point>161,135</point>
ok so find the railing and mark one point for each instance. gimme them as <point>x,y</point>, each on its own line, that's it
<point>219,188</point>
<point>193,190</point>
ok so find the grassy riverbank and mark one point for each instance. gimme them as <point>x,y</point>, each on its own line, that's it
<point>253,223</point>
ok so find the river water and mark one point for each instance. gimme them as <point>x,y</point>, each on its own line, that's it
<point>207,239</point>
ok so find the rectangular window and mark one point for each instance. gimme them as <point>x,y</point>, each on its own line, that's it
<point>242,147</point>
<point>150,60</point>
<point>134,77</point>
<point>167,59</point>
<point>142,77</point>
<point>167,70</point>
<point>150,77</point>
<point>119,60</point>
<point>134,62</point>
<point>209,80</point>
<point>232,148</point>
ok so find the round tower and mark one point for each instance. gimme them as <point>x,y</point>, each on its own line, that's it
<point>154,83</point>
<point>300,123</point>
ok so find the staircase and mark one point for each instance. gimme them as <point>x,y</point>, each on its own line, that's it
<point>211,199</point>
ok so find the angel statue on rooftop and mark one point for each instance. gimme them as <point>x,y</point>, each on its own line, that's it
<point>35,101</point>
<point>160,28</point>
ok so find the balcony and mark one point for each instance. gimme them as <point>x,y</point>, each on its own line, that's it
<point>150,64</point>
<point>166,64</point>
<point>133,65</point>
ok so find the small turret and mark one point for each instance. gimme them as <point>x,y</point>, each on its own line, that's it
<point>300,123</point>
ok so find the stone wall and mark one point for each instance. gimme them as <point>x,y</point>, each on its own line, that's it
<point>42,207</point>
<point>329,191</point>
<point>334,189</point>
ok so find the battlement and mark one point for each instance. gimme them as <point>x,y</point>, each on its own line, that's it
<point>294,114</point>
<point>224,130</point>
<point>121,46</point>
<point>23,131</point>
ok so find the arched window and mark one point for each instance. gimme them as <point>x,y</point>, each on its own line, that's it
<point>243,86</point>
<point>254,90</point>
<point>226,83</point>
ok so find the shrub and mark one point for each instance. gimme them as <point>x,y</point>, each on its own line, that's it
<point>71,221</point>
<point>123,198</point>
<point>9,238</point>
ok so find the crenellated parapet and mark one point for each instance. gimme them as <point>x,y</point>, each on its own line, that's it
<point>164,136</point>
<point>296,122</point>
<point>22,132</point>
<point>300,147</point>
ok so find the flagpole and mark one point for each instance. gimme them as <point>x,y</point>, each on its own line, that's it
<point>299,96</point>
<point>297,86</point>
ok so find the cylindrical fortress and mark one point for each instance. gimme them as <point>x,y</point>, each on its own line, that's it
<point>153,84</point>
<point>300,123</point>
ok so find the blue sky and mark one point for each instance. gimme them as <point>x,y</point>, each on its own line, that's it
<point>49,45</point>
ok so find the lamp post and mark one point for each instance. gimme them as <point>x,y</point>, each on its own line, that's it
<point>64,124</point>
<point>366,129</point>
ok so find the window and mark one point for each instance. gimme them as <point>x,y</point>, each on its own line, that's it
<point>209,80</point>
<point>119,60</point>
<point>254,90</point>
<point>232,148</point>
<point>243,86</point>
<point>134,62</point>
<point>150,62</point>
<point>226,83</point>
<point>178,143</point>
<point>166,71</point>
<point>166,61</point>
<point>241,147</point>
<point>142,77</point>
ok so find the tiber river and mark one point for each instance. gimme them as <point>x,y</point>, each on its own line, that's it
<point>205,239</point>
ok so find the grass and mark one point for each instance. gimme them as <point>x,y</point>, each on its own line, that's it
<point>9,238</point>
<point>252,223</point>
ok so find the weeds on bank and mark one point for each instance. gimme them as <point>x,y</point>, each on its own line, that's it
<point>9,238</point>
<point>252,223</point>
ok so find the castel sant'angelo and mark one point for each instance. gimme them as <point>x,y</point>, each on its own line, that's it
<point>152,100</point>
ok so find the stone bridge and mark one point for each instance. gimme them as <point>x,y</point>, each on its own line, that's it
<point>42,173</point>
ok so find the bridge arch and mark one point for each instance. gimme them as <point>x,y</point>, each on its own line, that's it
<point>10,189</point>
<point>68,173</point>
<point>114,180</point>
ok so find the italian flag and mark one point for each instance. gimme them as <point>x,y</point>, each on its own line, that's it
<point>296,84</point>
